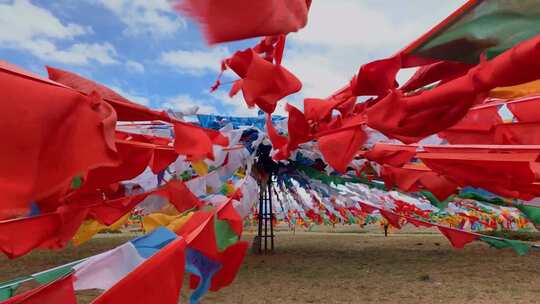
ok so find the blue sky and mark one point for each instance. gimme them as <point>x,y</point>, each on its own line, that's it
<point>148,53</point>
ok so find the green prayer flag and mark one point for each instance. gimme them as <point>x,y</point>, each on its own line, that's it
<point>225,236</point>
<point>325,220</point>
<point>7,289</point>
<point>185,176</point>
<point>76,182</point>
<point>53,274</point>
<point>478,197</point>
<point>337,180</point>
<point>7,292</point>
<point>435,201</point>
<point>532,212</point>
<point>490,27</point>
<point>351,220</point>
<point>520,248</point>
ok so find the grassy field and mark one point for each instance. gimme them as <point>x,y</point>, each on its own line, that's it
<point>322,267</point>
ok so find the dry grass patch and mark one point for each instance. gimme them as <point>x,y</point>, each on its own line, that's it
<point>322,267</point>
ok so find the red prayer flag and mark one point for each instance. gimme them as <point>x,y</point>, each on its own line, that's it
<point>126,110</point>
<point>157,280</point>
<point>440,186</point>
<point>76,134</point>
<point>264,83</point>
<point>508,175</point>
<point>59,291</point>
<point>134,159</point>
<point>468,137</point>
<point>319,109</point>
<point>233,20</point>
<point>192,141</point>
<point>162,158</point>
<point>457,238</point>
<point>477,127</point>
<point>179,195</point>
<point>199,233</point>
<point>377,78</point>
<point>404,179</point>
<point>442,71</point>
<point>231,259</point>
<point>279,142</point>
<point>216,137</point>
<point>367,208</point>
<point>52,231</point>
<point>229,214</point>
<point>418,223</point>
<point>391,155</point>
<point>525,110</point>
<point>340,148</point>
<point>298,128</point>
<point>520,133</point>
<point>391,217</point>
<point>110,211</point>
<point>411,118</point>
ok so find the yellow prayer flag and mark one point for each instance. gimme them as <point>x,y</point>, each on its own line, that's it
<point>89,228</point>
<point>172,222</point>
<point>516,91</point>
<point>200,167</point>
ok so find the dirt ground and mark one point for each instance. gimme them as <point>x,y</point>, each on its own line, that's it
<point>321,267</point>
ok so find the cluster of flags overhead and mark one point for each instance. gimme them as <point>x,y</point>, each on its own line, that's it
<point>308,197</point>
<point>98,159</point>
<point>445,129</point>
<point>81,158</point>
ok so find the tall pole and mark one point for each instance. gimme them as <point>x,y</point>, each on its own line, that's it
<point>265,220</point>
<point>260,220</point>
<point>271,211</point>
<point>265,217</point>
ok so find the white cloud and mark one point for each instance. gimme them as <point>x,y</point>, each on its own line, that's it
<point>405,74</point>
<point>341,35</point>
<point>320,76</point>
<point>151,17</point>
<point>218,102</point>
<point>235,106</point>
<point>184,102</point>
<point>350,23</point>
<point>135,66</point>
<point>372,24</point>
<point>195,62</point>
<point>83,53</point>
<point>131,96</point>
<point>37,30</point>
<point>21,20</point>
<point>77,54</point>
